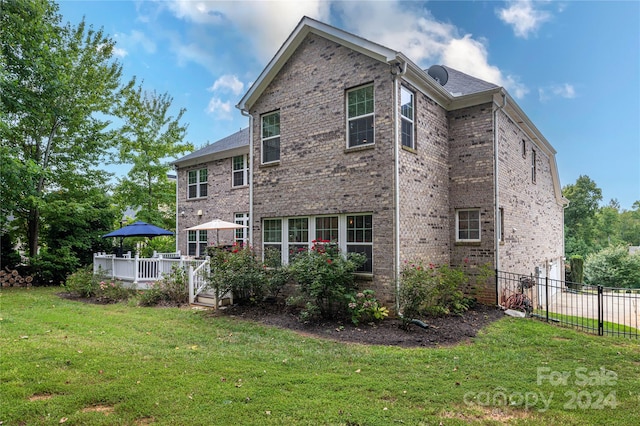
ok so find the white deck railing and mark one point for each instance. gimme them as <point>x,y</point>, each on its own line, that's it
<point>198,279</point>
<point>138,270</point>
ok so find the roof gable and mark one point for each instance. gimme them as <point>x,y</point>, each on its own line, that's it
<point>235,144</point>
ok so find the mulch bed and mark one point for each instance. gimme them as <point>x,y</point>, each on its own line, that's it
<point>441,331</point>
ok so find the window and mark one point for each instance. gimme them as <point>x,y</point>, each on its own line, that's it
<point>360,239</point>
<point>240,173</point>
<point>360,116</point>
<point>242,234</point>
<point>272,234</point>
<point>197,243</point>
<point>298,236</point>
<point>271,137</point>
<point>500,224</point>
<point>406,112</point>
<point>197,186</point>
<point>352,232</point>
<point>533,166</point>
<point>468,225</point>
<point>524,148</point>
<point>327,228</point>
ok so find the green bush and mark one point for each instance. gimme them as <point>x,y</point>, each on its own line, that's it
<point>276,274</point>
<point>432,290</point>
<point>172,288</point>
<point>84,283</point>
<point>576,272</point>
<point>239,271</point>
<point>364,307</point>
<point>325,278</point>
<point>613,267</point>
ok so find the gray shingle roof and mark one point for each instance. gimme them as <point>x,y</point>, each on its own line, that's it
<point>460,84</point>
<point>236,140</point>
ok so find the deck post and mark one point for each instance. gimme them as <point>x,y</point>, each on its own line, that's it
<point>191,285</point>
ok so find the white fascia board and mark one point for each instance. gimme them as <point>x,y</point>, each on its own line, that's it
<point>427,85</point>
<point>207,158</point>
<point>304,28</point>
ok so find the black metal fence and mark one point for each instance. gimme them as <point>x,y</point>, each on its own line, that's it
<point>594,309</point>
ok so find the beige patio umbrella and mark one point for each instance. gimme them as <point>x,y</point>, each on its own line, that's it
<point>217,225</point>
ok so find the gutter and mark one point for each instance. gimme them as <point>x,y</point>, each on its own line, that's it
<point>177,207</point>
<point>497,218</point>
<point>250,230</point>
<point>398,68</point>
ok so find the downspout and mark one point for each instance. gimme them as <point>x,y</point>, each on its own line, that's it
<point>497,224</point>
<point>250,230</point>
<point>397,69</point>
<point>177,207</point>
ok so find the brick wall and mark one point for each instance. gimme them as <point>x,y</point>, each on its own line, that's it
<point>222,201</point>
<point>317,174</point>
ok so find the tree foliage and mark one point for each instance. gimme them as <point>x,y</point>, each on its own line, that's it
<point>149,138</point>
<point>580,215</point>
<point>613,267</point>
<point>57,85</point>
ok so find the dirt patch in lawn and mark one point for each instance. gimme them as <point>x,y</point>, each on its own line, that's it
<point>440,331</point>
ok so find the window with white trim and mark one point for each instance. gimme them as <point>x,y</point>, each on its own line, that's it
<point>272,234</point>
<point>524,148</point>
<point>242,234</point>
<point>327,228</point>
<point>352,232</point>
<point>270,136</point>
<point>500,224</point>
<point>360,116</point>
<point>240,170</point>
<point>197,183</point>
<point>468,225</point>
<point>197,243</point>
<point>533,166</point>
<point>406,117</point>
<point>360,238</point>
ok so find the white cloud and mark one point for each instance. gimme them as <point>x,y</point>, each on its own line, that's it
<point>425,40</point>
<point>524,16</point>
<point>119,52</point>
<point>566,91</point>
<point>133,40</point>
<point>228,83</point>
<point>222,110</point>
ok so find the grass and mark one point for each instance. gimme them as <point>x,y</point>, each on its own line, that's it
<point>610,328</point>
<point>68,362</point>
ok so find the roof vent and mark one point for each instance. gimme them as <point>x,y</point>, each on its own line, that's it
<point>439,74</point>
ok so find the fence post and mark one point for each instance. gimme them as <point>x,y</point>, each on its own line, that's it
<point>497,297</point>
<point>191,284</point>
<point>600,311</point>
<point>546,296</point>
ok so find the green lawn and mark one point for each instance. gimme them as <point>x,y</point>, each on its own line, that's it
<point>68,362</point>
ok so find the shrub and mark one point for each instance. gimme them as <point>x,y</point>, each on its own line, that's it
<point>239,271</point>
<point>84,283</point>
<point>434,290</point>
<point>172,288</point>
<point>613,267</point>
<point>364,307</point>
<point>276,274</point>
<point>325,278</point>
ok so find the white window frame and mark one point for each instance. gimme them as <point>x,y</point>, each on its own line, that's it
<point>479,229</point>
<point>269,138</point>
<point>500,223</point>
<point>407,118</point>
<point>356,118</point>
<point>243,171</point>
<point>366,242</point>
<point>285,244</point>
<point>534,156</point>
<point>199,184</point>
<point>242,234</point>
<point>200,241</point>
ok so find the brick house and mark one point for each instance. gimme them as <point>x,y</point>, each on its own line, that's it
<point>351,141</point>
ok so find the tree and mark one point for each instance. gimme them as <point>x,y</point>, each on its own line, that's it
<point>148,139</point>
<point>630,225</point>
<point>57,85</point>
<point>607,223</point>
<point>613,267</point>
<point>580,215</point>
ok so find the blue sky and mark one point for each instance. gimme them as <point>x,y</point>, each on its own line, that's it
<point>573,66</point>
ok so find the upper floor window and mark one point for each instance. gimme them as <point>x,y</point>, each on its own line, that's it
<point>524,148</point>
<point>533,165</point>
<point>271,137</point>
<point>240,170</point>
<point>406,112</point>
<point>468,225</point>
<point>197,186</point>
<point>360,116</point>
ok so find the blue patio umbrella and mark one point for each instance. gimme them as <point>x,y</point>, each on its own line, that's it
<point>138,229</point>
